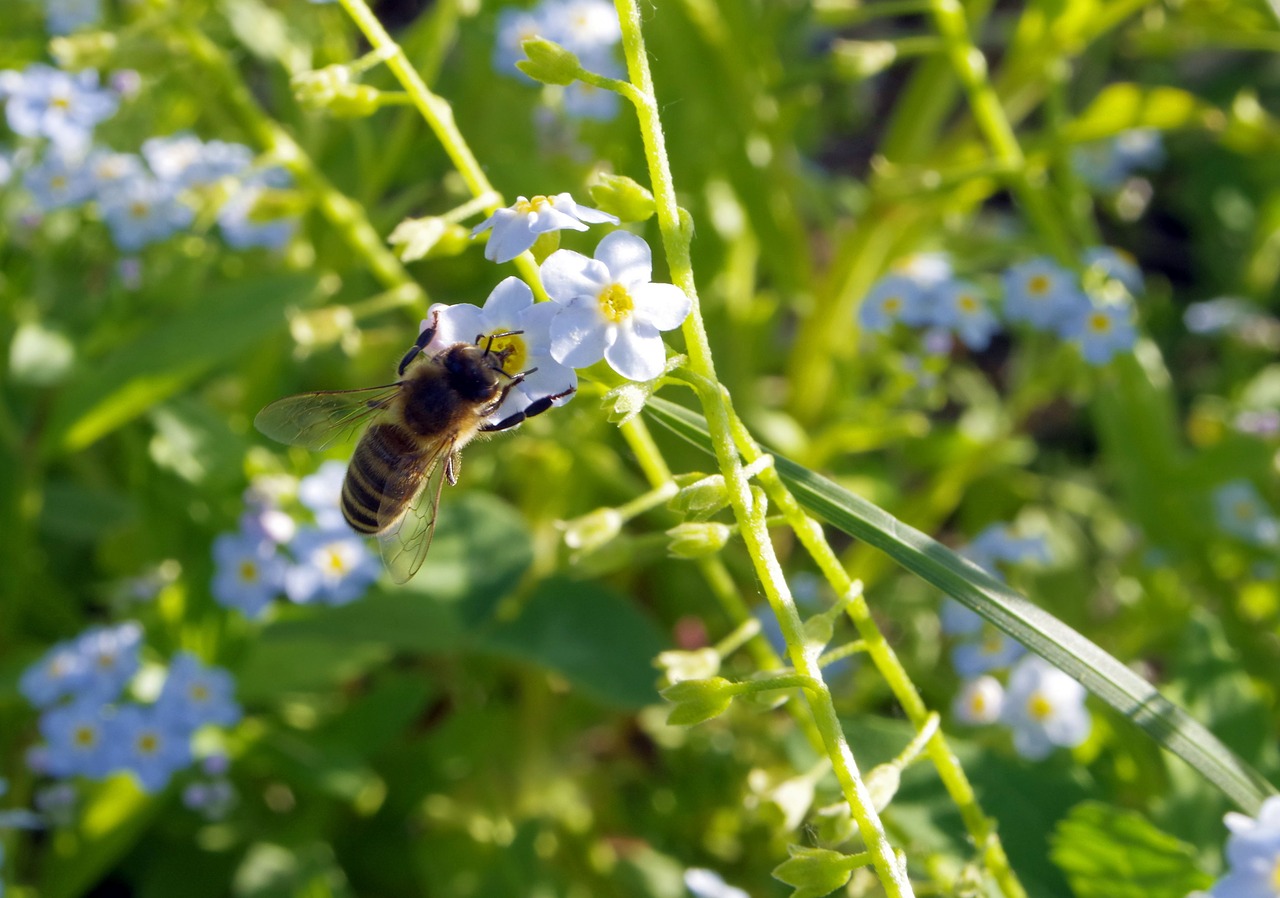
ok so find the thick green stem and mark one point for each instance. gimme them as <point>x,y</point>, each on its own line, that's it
<point>748,508</point>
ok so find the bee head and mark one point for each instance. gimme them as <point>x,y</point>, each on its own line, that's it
<point>474,373</point>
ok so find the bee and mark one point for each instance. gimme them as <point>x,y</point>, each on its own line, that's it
<point>417,428</point>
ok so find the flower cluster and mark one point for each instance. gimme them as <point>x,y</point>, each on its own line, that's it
<point>604,307</point>
<point>145,197</point>
<point>1106,165</point>
<point>91,728</point>
<point>587,28</point>
<point>1040,704</point>
<point>273,555</point>
<point>1038,293</point>
<point>66,16</point>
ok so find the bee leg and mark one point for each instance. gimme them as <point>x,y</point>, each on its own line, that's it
<point>452,465</point>
<point>534,408</point>
<point>421,343</point>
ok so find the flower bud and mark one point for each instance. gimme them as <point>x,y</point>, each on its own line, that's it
<point>548,62</point>
<point>628,401</point>
<point>591,531</point>
<point>413,238</point>
<point>697,539</point>
<point>314,89</point>
<point>355,101</point>
<point>698,700</point>
<point>701,499</point>
<point>89,50</point>
<point>622,197</point>
<point>698,664</point>
<point>813,872</point>
<point>857,60</point>
<point>883,781</point>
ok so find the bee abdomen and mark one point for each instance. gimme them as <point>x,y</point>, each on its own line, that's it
<point>365,503</point>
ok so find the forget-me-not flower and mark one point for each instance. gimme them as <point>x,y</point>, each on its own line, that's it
<point>195,695</point>
<point>66,16</point>
<point>610,309</point>
<point>59,180</point>
<point>960,307</point>
<point>509,310</point>
<point>1101,331</point>
<point>62,671</point>
<point>144,210</point>
<point>979,701</point>
<point>1253,854</point>
<point>1045,708</point>
<point>1041,293</point>
<point>242,220</point>
<point>112,657</point>
<point>893,298</point>
<point>249,572</point>
<point>149,743</point>
<point>516,227</point>
<point>63,106</point>
<point>191,162</point>
<point>321,492</point>
<point>1241,512</point>
<point>331,567</point>
<point>76,741</point>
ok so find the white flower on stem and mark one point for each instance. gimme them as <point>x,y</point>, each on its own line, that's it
<point>516,227</point>
<point>609,309</point>
<point>1253,854</point>
<point>979,701</point>
<point>1045,708</point>
<point>525,329</point>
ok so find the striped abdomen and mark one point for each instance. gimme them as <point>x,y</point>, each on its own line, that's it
<point>382,477</point>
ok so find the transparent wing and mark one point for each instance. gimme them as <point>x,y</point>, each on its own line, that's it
<point>410,503</point>
<point>316,420</point>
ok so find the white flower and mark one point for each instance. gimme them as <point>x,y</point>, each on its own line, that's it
<point>516,227</point>
<point>526,329</point>
<point>704,883</point>
<point>1253,854</point>
<point>1045,707</point>
<point>979,701</point>
<point>609,308</point>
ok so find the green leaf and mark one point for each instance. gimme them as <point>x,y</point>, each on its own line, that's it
<point>1035,628</point>
<point>1109,853</point>
<point>594,638</point>
<point>113,816</point>
<point>163,360</point>
<point>1121,107</point>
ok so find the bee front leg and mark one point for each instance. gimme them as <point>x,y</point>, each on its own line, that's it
<point>421,343</point>
<point>536,407</point>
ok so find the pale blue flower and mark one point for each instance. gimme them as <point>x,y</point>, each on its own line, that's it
<point>195,695</point>
<point>979,701</point>
<point>1253,854</point>
<point>1107,164</point>
<point>76,741</point>
<point>249,572</point>
<point>1226,314</point>
<point>61,672</point>
<point>516,227</point>
<point>110,170</point>
<point>1241,512</point>
<point>586,101</point>
<point>62,106</point>
<point>959,620</point>
<point>321,492</point>
<point>509,309</point>
<point>59,180</point>
<point>112,657</point>
<point>515,26</point>
<point>587,28</point>
<point>1042,293</point>
<point>144,210</point>
<point>610,309</point>
<point>332,567</point>
<point>1101,331</point>
<point>997,544</point>
<point>703,883</point>
<point>66,16</point>
<point>995,650</point>
<point>150,743</point>
<point>960,307</point>
<point>1045,708</point>
<point>242,220</point>
<point>893,298</point>
<point>191,162</point>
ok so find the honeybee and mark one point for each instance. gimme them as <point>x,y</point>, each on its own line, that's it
<point>417,428</point>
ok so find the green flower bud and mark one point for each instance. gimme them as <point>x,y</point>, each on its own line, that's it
<point>883,781</point>
<point>314,89</point>
<point>698,700</point>
<point>548,62</point>
<point>856,60</point>
<point>628,401</point>
<point>591,531</point>
<point>93,50</point>
<point>813,872</point>
<point>413,238</point>
<point>701,499</point>
<point>694,539</point>
<point>355,101</point>
<point>623,197</point>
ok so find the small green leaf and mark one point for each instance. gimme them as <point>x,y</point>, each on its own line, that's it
<point>1109,853</point>
<point>1123,107</point>
<point>548,62</point>
<point>814,872</point>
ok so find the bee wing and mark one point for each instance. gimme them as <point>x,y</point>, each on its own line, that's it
<point>410,503</point>
<point>316,420</point>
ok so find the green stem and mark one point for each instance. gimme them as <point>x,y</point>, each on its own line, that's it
<point>748,508</point>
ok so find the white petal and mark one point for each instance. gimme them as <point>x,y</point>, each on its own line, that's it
<point>566,274</point>
<point>628,258</point>
<point>553,220</point>
<point>508,240</point>
<point>579,336</point>
<point>566,203</point>
<point>486,224</point>
<point>637,353</point>
<point>665,306</point>
<point>535,321</point>
<point>455,324</point>
<point>508,301</point>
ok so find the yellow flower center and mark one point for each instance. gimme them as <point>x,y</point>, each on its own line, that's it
<point>61,102</point>
<point>892,305</point>
<point>992,643</point>
<point>968,303</point>
<point>1243,510</point>
<point>336,563</point>
<point>536,204</point>
<point>139,209</point>
<point>248,572</point>
<point>1275,877</point>
<point>1099,323</point>
<point>1038,285</point>
<point>1039,707</point>
<point>978,703</point>
<point>615,303</point>
<point>198,692</point>
<point>85,737</point>
<point>58,182</point>
<point>106,660</point>
<point>516,352</point>
<point>148,743</point>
